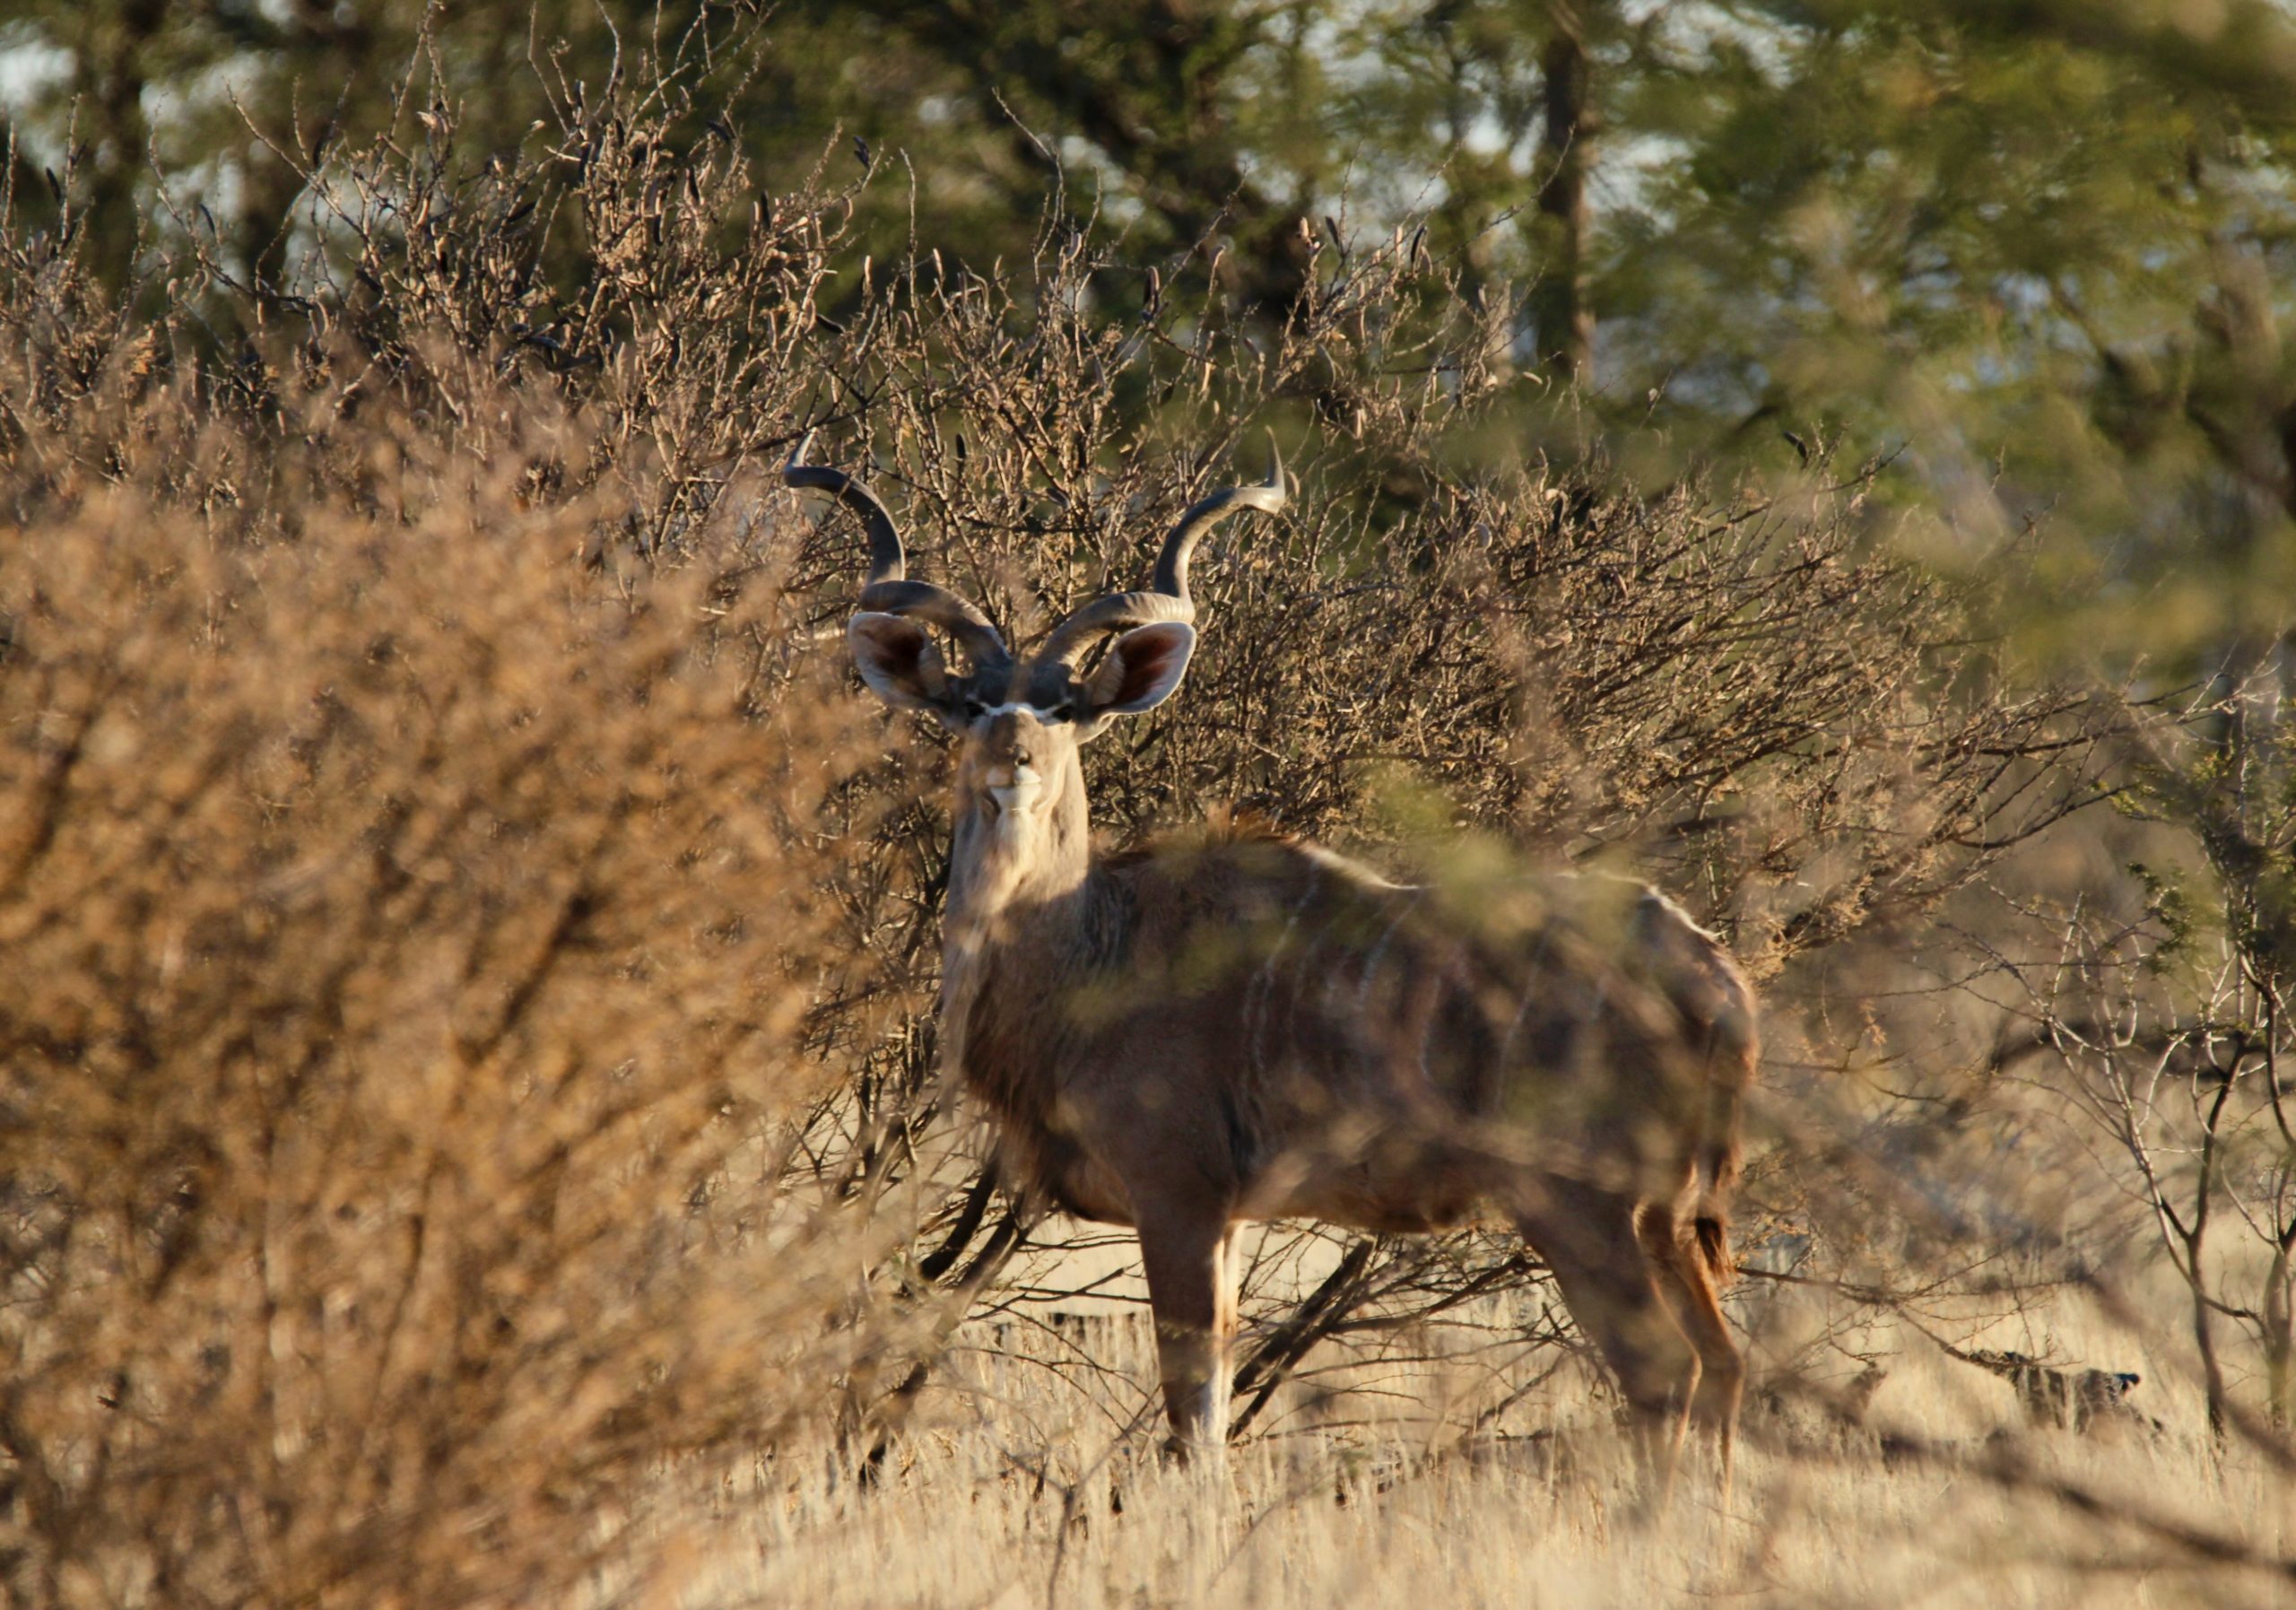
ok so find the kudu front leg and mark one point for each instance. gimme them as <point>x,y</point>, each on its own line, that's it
<point>1589,1240</point>
<point>1190,1261</point>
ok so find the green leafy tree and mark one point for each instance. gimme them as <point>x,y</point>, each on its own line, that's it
<point>2045,248</point>
<point>227,106</point>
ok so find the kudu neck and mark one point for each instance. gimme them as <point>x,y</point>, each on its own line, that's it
<point>1008,867</point>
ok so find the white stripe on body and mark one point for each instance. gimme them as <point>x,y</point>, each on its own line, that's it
<point>1262,988</point>
<point>1380,949</point>
<point>1530,989</point>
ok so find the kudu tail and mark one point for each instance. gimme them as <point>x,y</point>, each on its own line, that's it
<point>1732,1047</point>
<point>1717,1006</point>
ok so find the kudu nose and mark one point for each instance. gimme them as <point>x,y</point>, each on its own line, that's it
<point>1008,768</point>
<point>1010,747</point>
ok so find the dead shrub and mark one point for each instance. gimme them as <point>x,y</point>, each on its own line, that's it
<point>409,938</point>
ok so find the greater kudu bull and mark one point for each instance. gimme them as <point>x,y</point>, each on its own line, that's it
<point>1246,1029</point>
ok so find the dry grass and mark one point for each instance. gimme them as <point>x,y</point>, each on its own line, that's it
<point>1020,1489</point>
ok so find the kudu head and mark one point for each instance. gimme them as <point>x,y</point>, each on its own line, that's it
<point>1019,719</point>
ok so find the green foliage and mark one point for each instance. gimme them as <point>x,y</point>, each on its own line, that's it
<point>2169,904</point>
<point>2040,250</point>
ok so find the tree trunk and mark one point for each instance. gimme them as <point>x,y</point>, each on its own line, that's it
<point>2204,1336</point>
<point>1563,319</point>
<point>112,66</point>
<point>2280,1338</point>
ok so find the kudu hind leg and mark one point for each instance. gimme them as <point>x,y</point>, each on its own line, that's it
<point>1190,1263</point>
<point>1687,1283</point>
<point>1588,1239</point>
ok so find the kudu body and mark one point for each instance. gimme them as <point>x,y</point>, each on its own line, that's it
<point>1243,1029</point>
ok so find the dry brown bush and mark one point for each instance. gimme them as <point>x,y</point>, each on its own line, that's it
<point>410,938</point>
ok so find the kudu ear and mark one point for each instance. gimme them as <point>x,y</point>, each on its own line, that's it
<point>897,660</point>
<point>1142,669</point>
